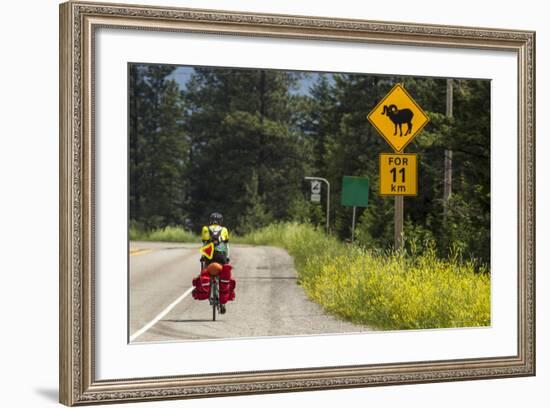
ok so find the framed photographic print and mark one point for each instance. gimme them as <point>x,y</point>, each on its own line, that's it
<point>256,203</point>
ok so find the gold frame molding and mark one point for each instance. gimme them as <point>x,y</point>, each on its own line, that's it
<point>78,22</point>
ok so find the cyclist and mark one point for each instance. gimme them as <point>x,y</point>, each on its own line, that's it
<point>219,236</point>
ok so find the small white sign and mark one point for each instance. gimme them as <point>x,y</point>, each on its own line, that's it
<point>316,198</point>
<point>315,187</point>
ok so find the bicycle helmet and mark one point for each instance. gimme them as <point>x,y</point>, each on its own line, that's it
<point>216,218</point>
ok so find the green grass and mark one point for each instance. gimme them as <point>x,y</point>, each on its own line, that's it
<point>385,291</point>
<point>167,234</point>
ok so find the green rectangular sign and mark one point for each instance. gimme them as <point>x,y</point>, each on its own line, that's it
<point>355,191</point>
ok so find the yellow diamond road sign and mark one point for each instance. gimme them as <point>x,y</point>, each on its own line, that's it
<point>398,174</point>
<point>398,118</point>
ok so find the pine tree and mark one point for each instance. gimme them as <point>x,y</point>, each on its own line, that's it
<point>246,153</point>
<point>158,147</point>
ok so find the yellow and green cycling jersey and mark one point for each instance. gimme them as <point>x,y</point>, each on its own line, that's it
<point>219,236</point>
<point>214,232</point>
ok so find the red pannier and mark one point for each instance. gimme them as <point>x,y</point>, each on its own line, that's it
<point>201,286</point>
<point>232,286</point>
<point>227,285</point>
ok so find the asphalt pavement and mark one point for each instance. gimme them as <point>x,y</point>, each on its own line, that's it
<point>269,302</point>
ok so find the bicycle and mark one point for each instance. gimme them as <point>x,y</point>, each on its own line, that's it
<point>214,296</point>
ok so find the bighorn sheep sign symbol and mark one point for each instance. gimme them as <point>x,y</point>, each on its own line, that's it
<point>398,117</point>
<point>394,110</point>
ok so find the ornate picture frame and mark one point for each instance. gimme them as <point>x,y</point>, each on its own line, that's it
<point>78,24</point>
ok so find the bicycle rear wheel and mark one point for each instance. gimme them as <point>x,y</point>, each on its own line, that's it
<point>215,297</point>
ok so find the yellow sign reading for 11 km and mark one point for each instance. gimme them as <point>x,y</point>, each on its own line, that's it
<point>398,174</point>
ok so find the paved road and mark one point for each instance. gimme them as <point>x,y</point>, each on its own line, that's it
<point>268,300</point>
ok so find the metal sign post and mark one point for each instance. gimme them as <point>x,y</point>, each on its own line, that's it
<point>317,187</point>
<point>353,224</point>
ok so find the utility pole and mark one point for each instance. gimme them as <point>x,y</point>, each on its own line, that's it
<point>448,176</point>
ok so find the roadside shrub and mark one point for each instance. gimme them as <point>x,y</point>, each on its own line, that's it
<point>166,234</point>
<point>392,290</point>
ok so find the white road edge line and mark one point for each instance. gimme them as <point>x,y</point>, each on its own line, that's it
<point>160,315</point>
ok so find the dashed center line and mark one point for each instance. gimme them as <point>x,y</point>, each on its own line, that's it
<point>139,251</point>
